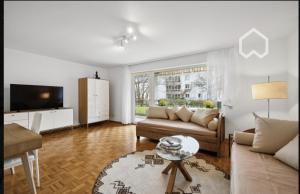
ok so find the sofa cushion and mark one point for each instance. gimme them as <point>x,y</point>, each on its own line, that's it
<point>172,113</point>
<point>157,112</point>
<point>184,114</point>
<point>289,153</point>
<point>213,124</point>
<point>177,126</point>
<point>204,116</point>
<point>272,134</point>
<point>253,172</point>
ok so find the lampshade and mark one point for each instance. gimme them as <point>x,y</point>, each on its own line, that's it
<point>270,90</point>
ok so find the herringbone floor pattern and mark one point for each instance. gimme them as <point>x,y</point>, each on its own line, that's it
<point>71,160</point>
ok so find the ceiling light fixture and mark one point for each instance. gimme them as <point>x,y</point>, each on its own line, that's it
<point>130,30</point>
<point>126,38</point>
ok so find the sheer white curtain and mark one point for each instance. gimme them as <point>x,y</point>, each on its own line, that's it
<point>222,75</point>
<point>126,95</point>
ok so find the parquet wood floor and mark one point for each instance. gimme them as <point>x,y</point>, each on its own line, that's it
<point>71,160</point>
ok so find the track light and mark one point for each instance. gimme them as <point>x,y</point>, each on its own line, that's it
<point>126,38</point>
<point>129,30</point>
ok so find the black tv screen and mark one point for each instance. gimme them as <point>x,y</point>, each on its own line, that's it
<point>28,97</point>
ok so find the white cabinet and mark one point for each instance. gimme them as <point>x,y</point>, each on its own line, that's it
<point>19,118</point>
<point>93,100</point>
<point>63,118</point>
<point>52,119</point>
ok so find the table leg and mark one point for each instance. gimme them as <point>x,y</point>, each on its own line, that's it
<point>27,167</point>
<point>167,169</point>
<point>183,170</point>
<point>171,180</point>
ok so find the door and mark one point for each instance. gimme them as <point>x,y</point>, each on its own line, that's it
<point>19,118</point>
<point>106,100</point>
<point>102,101</point>
<point>91,98</point>
<point>23,123</point>
<point>63,118</point>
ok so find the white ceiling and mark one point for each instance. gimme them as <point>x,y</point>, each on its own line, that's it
<point>83,31</point>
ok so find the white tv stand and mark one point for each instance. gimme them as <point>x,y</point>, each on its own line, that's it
<point>51,118</point>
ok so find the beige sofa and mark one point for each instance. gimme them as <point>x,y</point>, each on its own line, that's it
<point>256,173</point>
<point>157,128</point>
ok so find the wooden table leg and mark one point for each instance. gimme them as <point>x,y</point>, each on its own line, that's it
<point>183,170</point>
<point>27,167</point>
<point>167,169</point>
<point>171,180</point>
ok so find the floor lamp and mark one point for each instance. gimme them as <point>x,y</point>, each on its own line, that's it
<point>270,90</point>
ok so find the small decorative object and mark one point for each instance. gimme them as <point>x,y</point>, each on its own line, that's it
<point>96,75</point>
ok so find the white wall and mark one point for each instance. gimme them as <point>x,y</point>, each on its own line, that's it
<point>115,76</point>
<point>293,75</point>
<point>27,68</point>
<point>255,70</point>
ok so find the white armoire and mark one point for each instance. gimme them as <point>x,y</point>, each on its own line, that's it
<point>93,100</point>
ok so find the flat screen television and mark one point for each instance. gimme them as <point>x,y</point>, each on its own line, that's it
<point>28,97</point>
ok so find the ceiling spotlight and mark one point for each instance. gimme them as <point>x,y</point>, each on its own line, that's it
<point>127,37</point>
<point>130,30</point>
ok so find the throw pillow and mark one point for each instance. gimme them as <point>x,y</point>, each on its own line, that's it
<point>213,124</point>
<point>204,116</point>
<point>289,153</point>
<point>243,138</point>
<point>184,114</point>
<point>157,112</point>
<point>172,113</point>
<point>272,134</point>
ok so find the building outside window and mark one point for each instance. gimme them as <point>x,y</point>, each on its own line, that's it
<point>174,87</point>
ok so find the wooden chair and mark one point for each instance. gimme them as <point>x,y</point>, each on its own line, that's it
<point>33,156</point>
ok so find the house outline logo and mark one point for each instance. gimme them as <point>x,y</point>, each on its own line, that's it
<point>253,51</point>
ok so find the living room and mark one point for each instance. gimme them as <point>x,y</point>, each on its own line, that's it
<point>151,97</point>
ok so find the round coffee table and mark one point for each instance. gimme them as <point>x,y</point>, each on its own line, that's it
<point>190,145</point>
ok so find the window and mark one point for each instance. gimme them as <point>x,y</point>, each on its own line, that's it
<point>142,96</point>
<point>187,77</point>
<point>174,87</point>
<point>181,86</point>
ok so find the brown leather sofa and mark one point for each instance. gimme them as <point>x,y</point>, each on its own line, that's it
<point>208,140</point>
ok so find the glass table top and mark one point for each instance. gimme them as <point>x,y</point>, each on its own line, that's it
<point>190,147</point>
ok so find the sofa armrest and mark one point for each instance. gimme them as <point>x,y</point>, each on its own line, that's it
<point>252,130</point>
<point>243,138</point>
<point>221,128</point>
